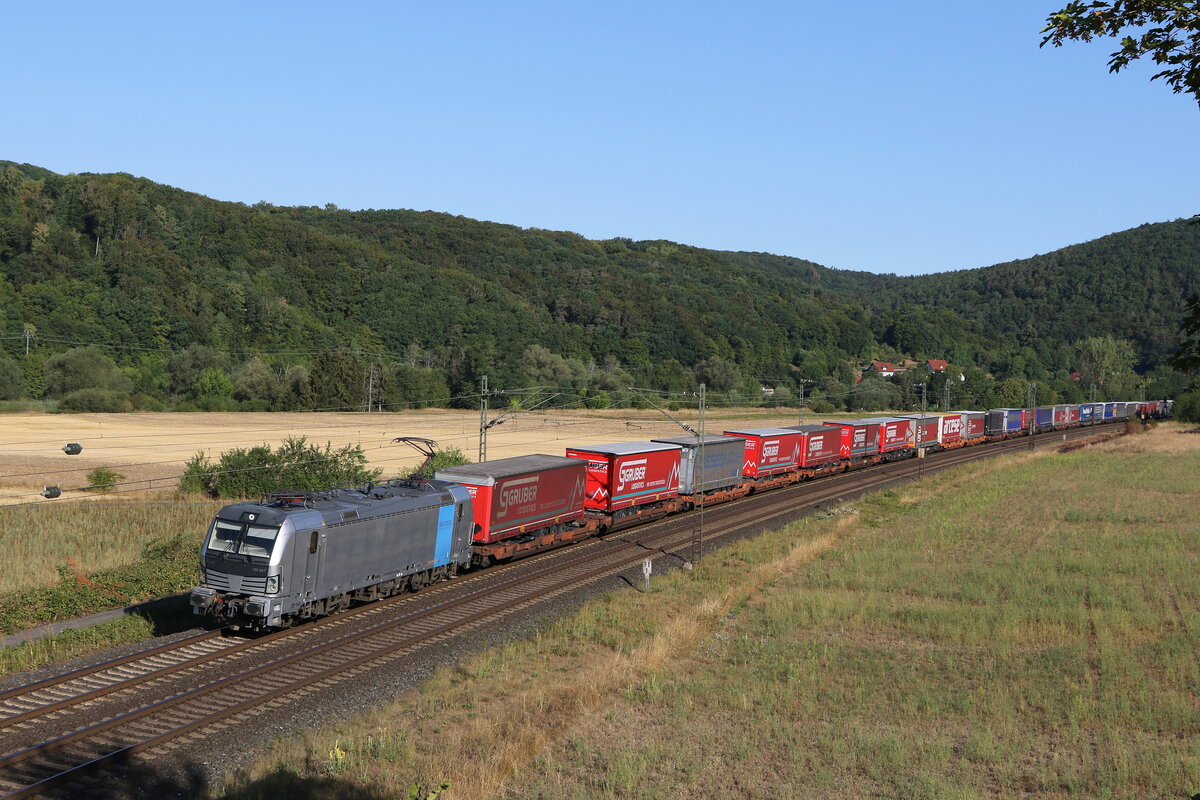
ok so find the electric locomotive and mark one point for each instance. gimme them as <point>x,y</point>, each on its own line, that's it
<point>297,555</point>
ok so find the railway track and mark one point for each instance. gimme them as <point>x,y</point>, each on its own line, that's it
<point>66,729</point>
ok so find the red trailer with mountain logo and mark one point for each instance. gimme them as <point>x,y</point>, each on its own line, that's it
<point>523,504</point>
<point>624,475</point>
<point>769,452</point>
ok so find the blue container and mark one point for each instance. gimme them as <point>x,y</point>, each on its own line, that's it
<point>1045,418</point>
<point>1003,420</point>
<point>1085,412</point>
<point>1110,410</point>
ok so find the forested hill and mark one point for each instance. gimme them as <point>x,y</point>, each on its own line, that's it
<point>1129,285</point>
<point>266,302</point>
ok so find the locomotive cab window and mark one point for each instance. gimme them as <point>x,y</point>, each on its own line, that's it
<point>312,542</point>
<point>460,507</point>
<point>234,537</point>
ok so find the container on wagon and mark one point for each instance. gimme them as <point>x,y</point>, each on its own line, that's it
<point>973,423</point>
<point>952,427</point>
<point>1085,413</point>
<point>1073,414</point>
<point>895,433</point>
<point>628,474</point>
<point>1110,410</point>
<point>722,466</point>
<point>860,437</point>
<point>820,444</point>
<point>522,494</point>
<point>768,451</point>
<point>1062,416</point>
<point>926,431</point>
<point>1002,421</point>
<point>1044,417</point>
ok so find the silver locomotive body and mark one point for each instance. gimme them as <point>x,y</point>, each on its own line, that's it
<point>298,555</point>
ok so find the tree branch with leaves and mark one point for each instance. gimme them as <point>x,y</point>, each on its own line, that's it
<point>1165,32</point>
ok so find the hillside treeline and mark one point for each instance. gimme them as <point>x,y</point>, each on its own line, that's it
<point>117,291</point>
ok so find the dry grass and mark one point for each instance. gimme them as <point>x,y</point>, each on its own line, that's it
<point>1168,438</point>
<point>90,536</point>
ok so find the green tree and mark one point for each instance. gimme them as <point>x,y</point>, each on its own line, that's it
<point>1187,407</point>
<point>12,380</point>
<point>84,368</point>
<point>214,382</point>
<point>719,374</point>
<point>186,367</point>
<point>1167,32</point>
<point>1012,393</point>
<point>873,394</point>
<point>1107,364</point>
<point>1187,358</point>
<point>337,381</point>
<point>254,380</point>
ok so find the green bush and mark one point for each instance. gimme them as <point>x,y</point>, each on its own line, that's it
<point>255,471</point>
<point>1187,407</point>
<point>216,403</point>
<point>101,479</point>
<point>95,400</point>
<point>823,407</point>
<point>442,459</point>
<point>144,402</point>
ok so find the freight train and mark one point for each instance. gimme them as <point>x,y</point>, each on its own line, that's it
<point>296,555</point>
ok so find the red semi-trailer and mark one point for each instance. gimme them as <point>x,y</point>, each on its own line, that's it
<point>820,445</point>
<point>926,431</point>
<point>1062,416</point>
<point>628,474</point>
<point>769,451</point>
<point>860,438</point>
<point>973,423</point>
<point>895,433</point>
<point>521,495</point>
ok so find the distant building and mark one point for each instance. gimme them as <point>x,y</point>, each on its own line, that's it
<point>936,365</point>
<point>883,368</point>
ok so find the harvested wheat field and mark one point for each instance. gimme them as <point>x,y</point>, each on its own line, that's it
<point>150,449</point>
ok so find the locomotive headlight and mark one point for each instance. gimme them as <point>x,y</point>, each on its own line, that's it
<point>273,584</point>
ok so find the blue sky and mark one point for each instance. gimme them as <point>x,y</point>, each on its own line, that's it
<point>884,136</point>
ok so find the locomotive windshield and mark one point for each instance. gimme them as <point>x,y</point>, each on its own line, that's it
<point>248,540</point>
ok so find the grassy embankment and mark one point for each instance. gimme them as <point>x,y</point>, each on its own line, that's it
<point>75,558</point>
<point>1021,627</point>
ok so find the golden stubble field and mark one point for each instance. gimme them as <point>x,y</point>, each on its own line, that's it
<point>150,449</point>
